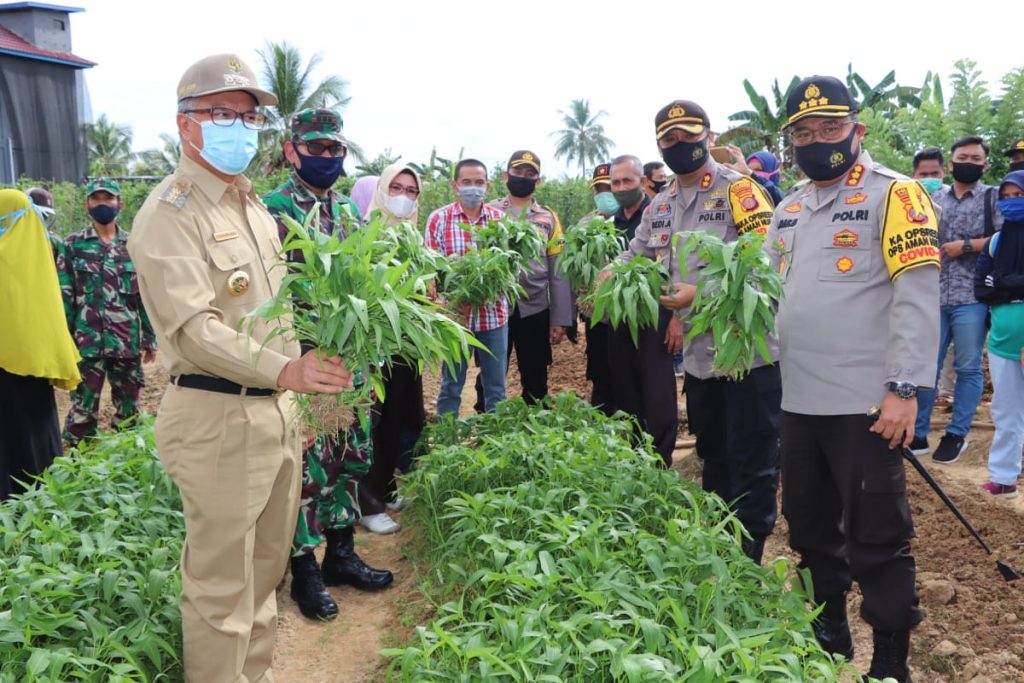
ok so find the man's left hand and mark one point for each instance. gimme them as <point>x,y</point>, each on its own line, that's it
<point>557,334</point>
<point>896,420</point>
<point>954,249</point>
<point>674,336</point>
<point>681,296</point>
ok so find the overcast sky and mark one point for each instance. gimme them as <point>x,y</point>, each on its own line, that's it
<point>490,77</point>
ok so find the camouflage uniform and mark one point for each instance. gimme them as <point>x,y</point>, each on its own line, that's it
<point>332,466</point>
<point>108,323</point>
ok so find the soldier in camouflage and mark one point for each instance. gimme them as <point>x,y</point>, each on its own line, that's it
<point>333,465</point>
<point>104,313</point>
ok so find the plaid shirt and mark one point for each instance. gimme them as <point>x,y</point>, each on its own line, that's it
<point>446,234</point>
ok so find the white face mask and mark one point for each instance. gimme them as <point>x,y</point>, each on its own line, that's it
<point>400,206</point>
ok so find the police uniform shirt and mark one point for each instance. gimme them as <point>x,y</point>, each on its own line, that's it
<point>861,306</point>
<point>206,253</point>
<point>544,285</point>
<point>723,202</point>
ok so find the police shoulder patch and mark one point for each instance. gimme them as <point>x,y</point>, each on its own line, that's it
<point>910,236</point>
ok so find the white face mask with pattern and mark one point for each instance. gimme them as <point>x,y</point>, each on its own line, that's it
<point>400,206</point>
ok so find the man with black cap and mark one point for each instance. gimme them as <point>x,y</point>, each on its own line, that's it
<point>601,184</point>
<point>859,327</point>
<point>540,317</point>
<point>206,252</point>
<point>1016,154</point>
<point>735,421</point>
<point>332,465</point>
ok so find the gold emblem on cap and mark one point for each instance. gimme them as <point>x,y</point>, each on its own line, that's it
<point>235,65</point>
<point>238,283</point>
<point>836,159</point>
<point>676,111</point>
<point>812,91</point>
<point>1020,144</point>
<point>527,157</point>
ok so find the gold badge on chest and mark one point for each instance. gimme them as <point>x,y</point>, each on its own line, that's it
<point>238,283</point>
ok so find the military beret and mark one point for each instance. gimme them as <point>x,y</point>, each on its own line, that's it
<point>683,114</point>
<point>819,96</point>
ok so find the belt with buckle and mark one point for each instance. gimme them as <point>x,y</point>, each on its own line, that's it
<point>219,385</point>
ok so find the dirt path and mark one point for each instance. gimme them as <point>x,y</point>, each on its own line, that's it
<point>974,624</point>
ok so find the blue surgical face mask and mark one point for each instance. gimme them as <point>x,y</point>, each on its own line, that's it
<point>471,196</point>
<point>320,172</point>
<point>931,184</point>
<point>606,203</point>
<point>229,149</point>
<point>1012,209</point>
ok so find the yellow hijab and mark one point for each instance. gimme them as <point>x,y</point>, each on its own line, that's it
<point>379,202</point>
<point>34,340</point>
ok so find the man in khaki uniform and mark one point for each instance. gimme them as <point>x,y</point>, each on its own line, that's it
<point>206,253</point>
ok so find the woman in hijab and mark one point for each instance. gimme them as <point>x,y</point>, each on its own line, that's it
<point>362,192</point>
<point>36,349</point>
<point>999,282</point>
<point>765,169</point>
<point>395,199</point>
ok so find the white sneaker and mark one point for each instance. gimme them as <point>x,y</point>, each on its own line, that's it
<point>397,504</point>
<point>380,523</point>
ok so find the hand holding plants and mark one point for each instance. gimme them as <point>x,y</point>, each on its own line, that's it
<point>314,373</point>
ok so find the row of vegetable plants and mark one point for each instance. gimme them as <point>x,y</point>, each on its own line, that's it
<point>555,549</point>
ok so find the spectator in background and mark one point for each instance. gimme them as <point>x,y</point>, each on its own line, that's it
<point>968,216</point>
<point>362,192</point>
<point>36,349</point>
<point>655,178</point>
<point>43,200</point>
<point>764,167</point>
<point>401,413</point>
<point>999,282</point>
<point>601,183</point>
<point>1016,154</point>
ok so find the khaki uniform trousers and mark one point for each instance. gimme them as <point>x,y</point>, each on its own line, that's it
<point>237,465</point>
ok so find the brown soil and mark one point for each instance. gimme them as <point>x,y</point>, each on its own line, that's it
<point>977,635</point>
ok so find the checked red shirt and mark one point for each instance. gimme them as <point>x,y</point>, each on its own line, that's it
<point>446,234</point>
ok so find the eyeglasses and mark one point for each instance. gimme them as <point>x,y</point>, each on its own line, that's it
<point>336,149</point>
<point>830,131</point>
<point>410,191</point>
<point>223,116</point>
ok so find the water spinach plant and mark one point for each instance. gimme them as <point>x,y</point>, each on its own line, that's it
<point>630,296</point>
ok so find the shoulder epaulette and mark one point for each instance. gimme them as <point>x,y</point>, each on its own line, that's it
<point>176,194</point>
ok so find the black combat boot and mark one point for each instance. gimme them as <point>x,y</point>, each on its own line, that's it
<point>308,590</point>
<point>890,656</point>
<point>832,629</point>
<point>343,566</point>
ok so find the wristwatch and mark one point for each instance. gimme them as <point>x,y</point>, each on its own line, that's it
<point>968,247</point>
<point>905,390</point>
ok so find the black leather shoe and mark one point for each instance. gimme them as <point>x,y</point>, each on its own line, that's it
<point>832,629</point>
<point>889,659</point>
<point>343,566</point>
<point>308,590</point>
<point>754,548</point>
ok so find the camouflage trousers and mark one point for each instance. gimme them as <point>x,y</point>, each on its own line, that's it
<point>331,470</point>
<point>126,380</point>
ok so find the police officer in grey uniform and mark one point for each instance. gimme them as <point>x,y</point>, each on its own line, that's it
<point>858,327</point>
<point>735,421</point>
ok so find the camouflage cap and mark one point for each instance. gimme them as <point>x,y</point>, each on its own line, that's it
<point>317,124</point>
<point>222,73</point>
<point>524,158</point>
<point>103,185</point>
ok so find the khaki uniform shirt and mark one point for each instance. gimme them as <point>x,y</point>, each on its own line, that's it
<point>207,253</point>
<point>543,281</point>
<point>724,203</point>
<point>861,308</point>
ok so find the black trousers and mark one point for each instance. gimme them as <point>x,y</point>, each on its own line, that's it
<point>400,420</point>
<point>844,494</point>
<point>599,366</point>
<point>737,428</point>
<point>644,384</point>
<point>531,339</point>
<point>29,430</point>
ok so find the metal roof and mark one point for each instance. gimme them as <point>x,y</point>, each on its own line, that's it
<point>13,44</point>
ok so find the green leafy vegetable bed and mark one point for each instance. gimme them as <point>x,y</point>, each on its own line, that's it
<point>562,552</point>
<point>88,561</point>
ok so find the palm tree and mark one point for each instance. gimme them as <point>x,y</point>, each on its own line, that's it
<point>160,161</point>
<point>109,147</point>
<point>291,79</point>
<point>763,123</point>
<point>582,139</point>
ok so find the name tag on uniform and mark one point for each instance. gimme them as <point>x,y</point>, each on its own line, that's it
<point>658,239</point>
<point>224,236</point>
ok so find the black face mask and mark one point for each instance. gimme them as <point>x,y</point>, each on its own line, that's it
<point>966,172</point>
<point>627,198</point>
<point>686,157</point>
<point>827,160</point>
<point>104,214</point>
<point>1016,166</point>
<point>658,185</point>
<point>521,187</point>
